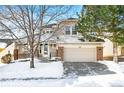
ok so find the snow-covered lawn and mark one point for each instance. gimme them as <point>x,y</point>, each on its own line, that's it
<point>55,70</point>
<point>82,81</point>
<point>121,64</point>
<point>112,66</point>
<point>115,80</point>
<point>21,70</point>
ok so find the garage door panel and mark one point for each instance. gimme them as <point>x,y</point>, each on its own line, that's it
<point>80,54</point>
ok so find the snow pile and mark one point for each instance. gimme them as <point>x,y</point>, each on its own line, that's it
<point>100,81</point>
<point>2,65</point>
<point>22,60</point>
<point>121,64</point>
<point>112,66</point>
<point>22,70</point>
<point>113,80</point>
<point>27,59</point>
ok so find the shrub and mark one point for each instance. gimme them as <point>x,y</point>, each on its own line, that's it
<point>6,59</point>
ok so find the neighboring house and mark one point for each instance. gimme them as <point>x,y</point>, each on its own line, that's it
<point>8,47</point>
<point>2,46</point>
<point>1,49</point>
<point>66,43</point>
<point>108,50</point>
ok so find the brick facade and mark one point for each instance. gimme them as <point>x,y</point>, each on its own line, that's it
<point>99,51</point>
<point>60,52</point>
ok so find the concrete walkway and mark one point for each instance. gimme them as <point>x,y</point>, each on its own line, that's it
<point>85,69</point>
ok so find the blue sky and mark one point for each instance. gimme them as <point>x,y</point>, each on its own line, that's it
<point>76,9</point>
<point>72,13</point>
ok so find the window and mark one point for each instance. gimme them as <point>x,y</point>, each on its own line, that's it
<point>74,32</point>
<point>47,31</point>
<point>51,31</point>
<point>43,32</point>
<point>67,30</point>
<point>70,30</point>
<point>45,49</point>
<point>40,48</point>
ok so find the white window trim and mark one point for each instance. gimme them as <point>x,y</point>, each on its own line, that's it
<point>49,30</point>
<point>71,31</point>
<point>43,50</point>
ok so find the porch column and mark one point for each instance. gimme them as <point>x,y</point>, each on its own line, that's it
<point>99,53</point>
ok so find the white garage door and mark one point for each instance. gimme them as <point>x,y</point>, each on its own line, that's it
<point>79,54</point>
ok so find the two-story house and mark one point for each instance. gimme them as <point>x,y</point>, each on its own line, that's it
<point>65,43</point>
<point>62,40</point>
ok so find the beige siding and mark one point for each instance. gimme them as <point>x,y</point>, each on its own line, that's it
<point>10,49</point>
<point>80,54</point>
<point>53,51</point>
<point>107,48</point>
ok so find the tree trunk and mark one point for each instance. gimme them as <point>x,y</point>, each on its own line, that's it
<point>32,59</point>
<point>115,52</point>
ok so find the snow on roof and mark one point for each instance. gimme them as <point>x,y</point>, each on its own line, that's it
<point>5,42</point>
<point>46,37</point>
<point>3,45</point>
<point>68,39</point>
<point>51,38</point>
<point>50,25</point>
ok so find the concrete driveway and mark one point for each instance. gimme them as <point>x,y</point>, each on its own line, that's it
<point>85,69</point>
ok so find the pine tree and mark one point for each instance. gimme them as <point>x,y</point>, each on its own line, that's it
<point>105,22</point>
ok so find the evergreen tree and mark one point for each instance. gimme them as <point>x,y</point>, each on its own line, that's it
<point>105,22</point>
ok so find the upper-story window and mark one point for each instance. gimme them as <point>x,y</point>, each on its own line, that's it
<point>47,31</point>
<point>67,30</point>
<point>70,30</point>
<point>74,32</point>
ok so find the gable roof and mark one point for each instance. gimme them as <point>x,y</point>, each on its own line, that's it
<point>50,25</point>
<point>7,41</point>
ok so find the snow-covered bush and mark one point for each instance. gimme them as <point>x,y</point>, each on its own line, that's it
<point>6,59</point>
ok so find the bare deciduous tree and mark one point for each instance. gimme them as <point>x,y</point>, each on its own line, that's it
<point>29,22</point>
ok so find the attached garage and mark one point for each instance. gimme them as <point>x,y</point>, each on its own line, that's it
<point>80,52</point>
<point>80,55</point>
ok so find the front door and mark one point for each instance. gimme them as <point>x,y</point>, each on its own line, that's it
<point>45,50</point>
